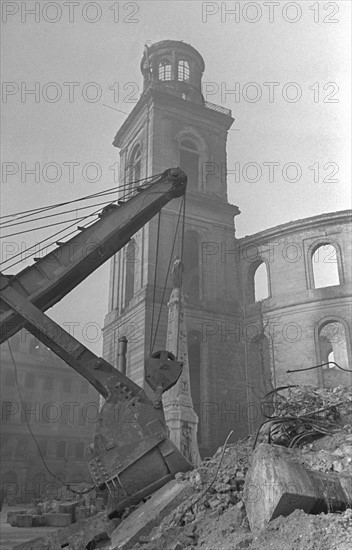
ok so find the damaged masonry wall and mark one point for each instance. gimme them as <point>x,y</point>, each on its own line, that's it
<point>300,323</point>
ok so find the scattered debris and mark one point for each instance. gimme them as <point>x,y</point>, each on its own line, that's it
<point>209,510</point>
<point>304,413</point>
<point>219,520</point>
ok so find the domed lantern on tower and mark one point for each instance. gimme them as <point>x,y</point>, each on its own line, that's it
<point>173,67</point>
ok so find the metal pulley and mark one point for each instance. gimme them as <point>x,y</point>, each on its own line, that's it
<point>162,371</point>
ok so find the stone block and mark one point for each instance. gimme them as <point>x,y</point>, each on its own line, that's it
<point>148,515</point>
<point>68,508</point>
<point>76,536</point>
<point>12,516</point>
<point>55,519</point>
<point>24,520</point>
<point>275,486</point>
<point>38,521</point>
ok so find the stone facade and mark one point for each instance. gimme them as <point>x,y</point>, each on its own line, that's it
<point>60,407</point>
<point>172,125</point>
<point>293,316</point>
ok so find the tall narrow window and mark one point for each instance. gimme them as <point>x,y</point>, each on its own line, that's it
<point>334,349</point>
<point>164,70</point>
<point>191,260</point>
<point>130,261</point>
<point>261,283</point>
<point>134,167</point>
<point>189,162</point>
<point>325,266</point>
<point>183,71</point>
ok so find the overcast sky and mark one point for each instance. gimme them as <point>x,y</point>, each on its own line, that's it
<point>289,62</point>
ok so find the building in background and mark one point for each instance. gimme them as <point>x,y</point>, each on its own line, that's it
<point>60,407</point>
<point>251,316</point>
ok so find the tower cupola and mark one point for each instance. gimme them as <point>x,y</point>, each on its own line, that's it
<point>173,67</point>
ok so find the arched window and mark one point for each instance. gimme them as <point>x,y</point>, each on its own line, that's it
<point>333,346</point>
<point>130,261</point>
<point>189,163</point>
<point>183,71</point>
<point>164,70</point>
<point>194,340</point>
<point>325,266</point>
<point>191,261</point>
<point>257,279</point>
<point>261,282</point>
<point>134,167</point>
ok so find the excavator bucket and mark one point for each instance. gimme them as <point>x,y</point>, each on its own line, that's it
<point>133,455</point>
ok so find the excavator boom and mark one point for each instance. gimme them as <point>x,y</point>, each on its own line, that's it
<point>52,277</point>
<point>132,455</point>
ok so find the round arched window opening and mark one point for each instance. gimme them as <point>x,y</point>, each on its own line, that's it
<point>189,163</point>
<point>164,70</point>
<point>133,168</point>
<point>325,266</point>
<point>183,71</point>
<point>333,347</point>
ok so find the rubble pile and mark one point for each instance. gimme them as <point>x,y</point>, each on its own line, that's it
<point>211,511</point>
<point>304,413</point>
<point>216,519</point>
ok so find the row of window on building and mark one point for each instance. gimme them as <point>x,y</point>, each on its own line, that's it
<point>25,448</point>
<point>66,414</point>
<point>46,383</point>
<point>165,70</point>
<point>62,449</point>
<point>324,262</point>
<point>325,272</point>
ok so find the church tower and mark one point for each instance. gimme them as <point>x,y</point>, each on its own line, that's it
<point>172,125</point>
